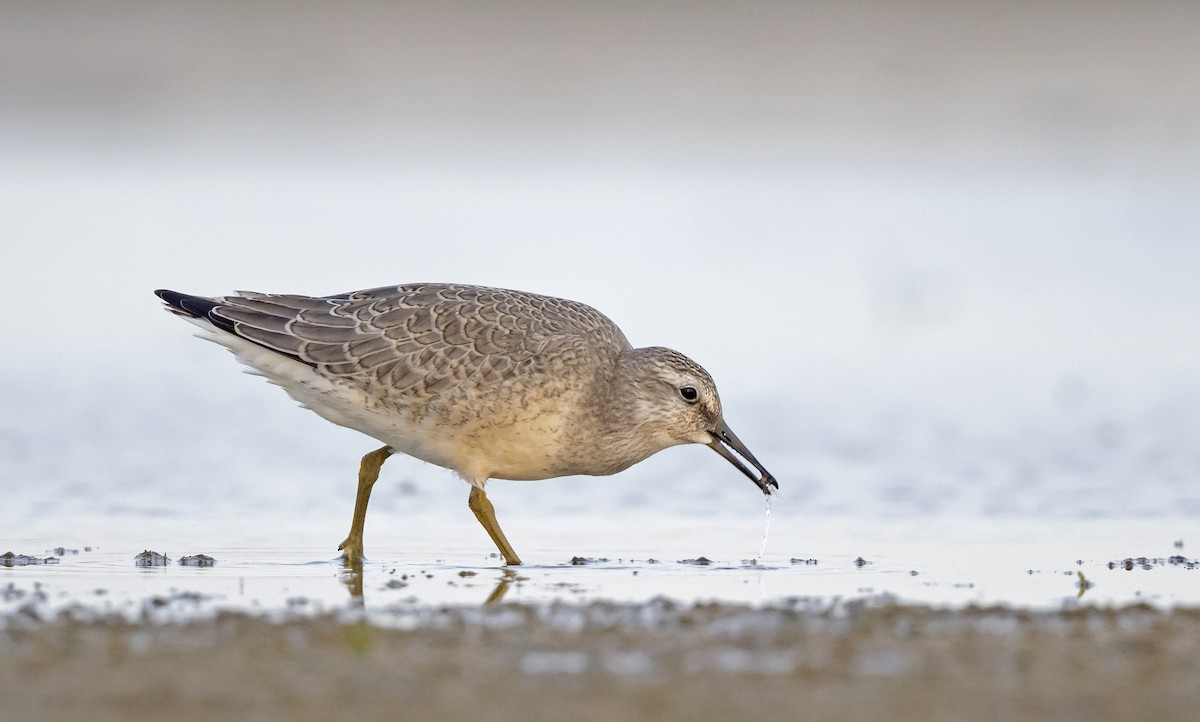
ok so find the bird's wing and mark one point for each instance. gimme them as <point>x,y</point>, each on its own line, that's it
<point>421,336</point>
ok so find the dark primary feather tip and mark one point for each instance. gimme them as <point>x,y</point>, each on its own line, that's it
<point>197,306</point>
<point>174,299</point>
<point>194,306</point>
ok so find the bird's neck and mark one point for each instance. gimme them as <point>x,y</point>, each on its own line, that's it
<point>627,432</point>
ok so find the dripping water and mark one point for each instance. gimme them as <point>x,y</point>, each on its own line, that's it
<point>766,528</point>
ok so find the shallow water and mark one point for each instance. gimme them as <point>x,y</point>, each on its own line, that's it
<point>282,569</point>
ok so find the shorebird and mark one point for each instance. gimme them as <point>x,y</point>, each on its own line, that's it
<point>487,382</point>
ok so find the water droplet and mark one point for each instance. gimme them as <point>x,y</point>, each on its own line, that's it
<point>766,528</point>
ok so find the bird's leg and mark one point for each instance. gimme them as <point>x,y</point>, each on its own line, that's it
<point>352,577</point>
<point>502,586</point>
<point>368,472</point>
<point>486,515</point>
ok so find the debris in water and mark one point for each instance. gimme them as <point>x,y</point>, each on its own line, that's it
<point>8,559</point>
<point>699,561</point>
<point>150,559</point>
<point>577,561</point>
<point>199,560</point>
<point>1148,563</point>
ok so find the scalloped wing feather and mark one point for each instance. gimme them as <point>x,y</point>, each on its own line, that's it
<point>429,336</point>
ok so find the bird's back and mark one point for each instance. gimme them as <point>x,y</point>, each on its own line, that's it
<point>419,338</point>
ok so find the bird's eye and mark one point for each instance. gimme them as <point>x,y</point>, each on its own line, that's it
<point>689,394</point>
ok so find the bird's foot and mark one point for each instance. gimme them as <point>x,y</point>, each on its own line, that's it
<point>352,550</point>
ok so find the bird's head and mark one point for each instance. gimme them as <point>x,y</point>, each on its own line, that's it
<point>676,402</point>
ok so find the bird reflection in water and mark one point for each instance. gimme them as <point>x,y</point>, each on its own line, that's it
<point>352,576</point>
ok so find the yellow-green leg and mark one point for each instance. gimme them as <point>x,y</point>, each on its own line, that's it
<point>368,473</point>
<point>506,580</point>
<point>486,515</point>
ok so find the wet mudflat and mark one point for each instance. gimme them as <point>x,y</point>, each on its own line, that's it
<point>602,660</point>
<point>902,621</point>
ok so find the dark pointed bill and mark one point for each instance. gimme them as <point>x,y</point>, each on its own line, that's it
<point>725,443</point>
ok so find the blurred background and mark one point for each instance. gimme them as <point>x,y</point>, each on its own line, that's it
<point>941,257</point>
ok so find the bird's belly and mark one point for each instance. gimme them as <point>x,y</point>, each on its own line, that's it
<point>508,448</point>
<point>522,450</point>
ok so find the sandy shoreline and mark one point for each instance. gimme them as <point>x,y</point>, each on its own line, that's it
<point>657,660</point>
